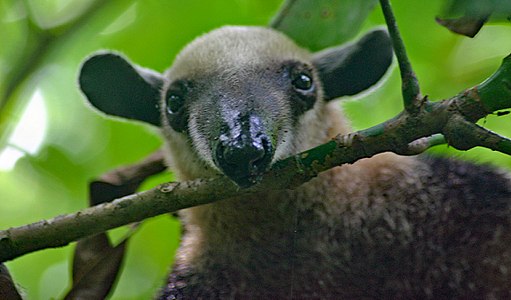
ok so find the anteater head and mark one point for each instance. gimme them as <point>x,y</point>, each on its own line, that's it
<point>236,99</point>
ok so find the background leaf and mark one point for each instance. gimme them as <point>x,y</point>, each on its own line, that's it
<point>466,25</point>
<point>466,17</point>
<point>322,23</point>
<point>96,265</point>
<point>500,10</point>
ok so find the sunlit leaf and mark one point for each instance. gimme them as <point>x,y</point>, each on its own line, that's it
<point>322,23</point>
<point>53,13</point>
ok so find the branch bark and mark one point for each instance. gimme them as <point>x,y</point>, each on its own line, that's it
<point>404,134</point>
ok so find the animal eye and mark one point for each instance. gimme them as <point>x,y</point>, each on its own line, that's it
<point>302,81</point>
<point>174,102</point>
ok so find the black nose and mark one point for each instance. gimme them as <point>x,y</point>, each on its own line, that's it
<point>244,159</point>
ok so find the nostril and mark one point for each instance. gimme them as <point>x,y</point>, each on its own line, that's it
<point>243,156</point>
<point>264,155</point>
<point>243,160</point>
<point>220,152</point>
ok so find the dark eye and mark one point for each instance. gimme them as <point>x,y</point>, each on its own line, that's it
<point>302,82</point>
<point>174,102</point>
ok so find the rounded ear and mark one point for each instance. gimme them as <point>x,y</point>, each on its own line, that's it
<point>116,87</point>
<point>348,70</point>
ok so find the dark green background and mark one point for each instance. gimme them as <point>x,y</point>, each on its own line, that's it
<point>80,145</point>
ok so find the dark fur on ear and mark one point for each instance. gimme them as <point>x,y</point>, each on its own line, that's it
<point>116,87</point>
<point>348,70</point>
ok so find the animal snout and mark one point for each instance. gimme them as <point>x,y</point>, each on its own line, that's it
<point>244,159</point>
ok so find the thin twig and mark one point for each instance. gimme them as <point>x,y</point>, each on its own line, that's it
<point>422,144</point>
<point>410,85</point>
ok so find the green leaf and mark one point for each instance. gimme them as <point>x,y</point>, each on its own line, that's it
<point>499,9</point>
<point>467,26</point>
<point>466,17</point>
<point>322,23</point>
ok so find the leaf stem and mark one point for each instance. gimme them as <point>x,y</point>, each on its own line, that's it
<point>410,85</point>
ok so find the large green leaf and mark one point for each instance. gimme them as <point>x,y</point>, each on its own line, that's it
<point>322,23</point>
<point>466,17</point>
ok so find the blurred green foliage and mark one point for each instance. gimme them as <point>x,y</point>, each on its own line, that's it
<point>346,16</point>
<point>62,144</point>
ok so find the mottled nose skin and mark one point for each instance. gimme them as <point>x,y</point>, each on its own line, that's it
<point>244,152</point>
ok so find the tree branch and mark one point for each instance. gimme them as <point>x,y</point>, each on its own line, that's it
<point>422,144</point>
<point>399,135</point>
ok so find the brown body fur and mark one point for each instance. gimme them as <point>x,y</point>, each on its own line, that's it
<point>384,227</point>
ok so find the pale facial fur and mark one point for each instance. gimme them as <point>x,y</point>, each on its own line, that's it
<point>225,55</point>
